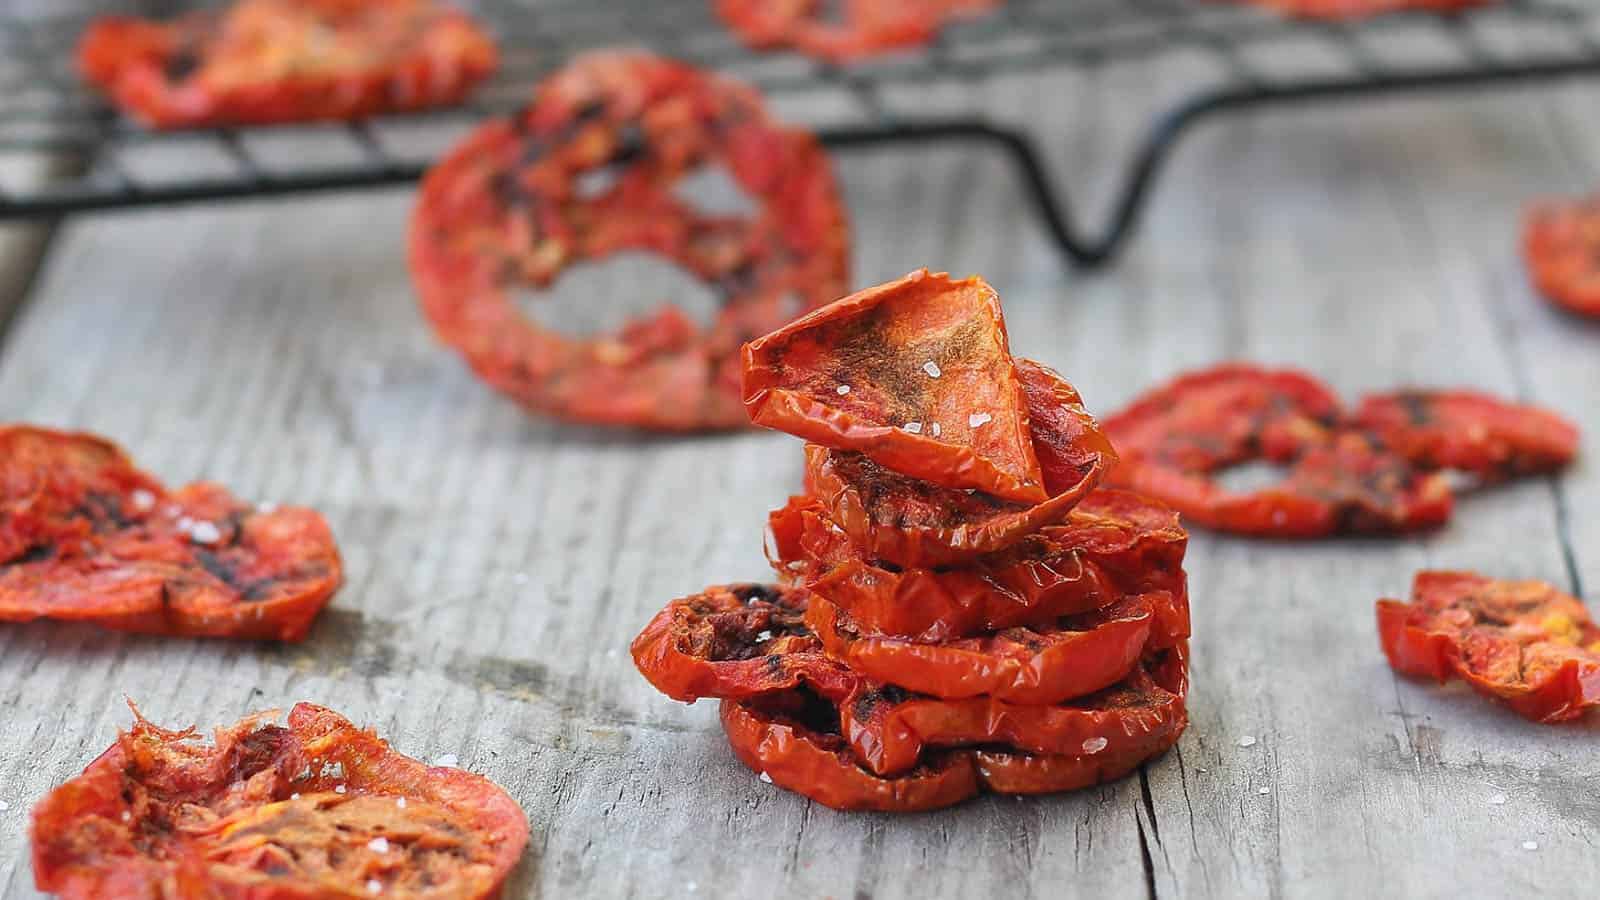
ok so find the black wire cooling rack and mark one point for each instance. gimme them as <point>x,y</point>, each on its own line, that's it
<point>46,111</point>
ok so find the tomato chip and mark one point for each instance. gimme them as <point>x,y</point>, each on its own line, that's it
<point>869,27</point>
<point>1016,772</point>
<point>1522,642</point>
<point>1561,246</point>
<point>736,641</point>
<point>889,727</point>
<point>915,373</point>
<point>319,808</point>
<point>84,536</point>
<point>509,207</point>
<point>1111,544</point>
<point>1044,665</point>
<point>793,740</point>
<point>1469,431</point>
<point>267,61</point>
<point>1176,438</point>
<point>912,522</point>
<point>1360,9</point>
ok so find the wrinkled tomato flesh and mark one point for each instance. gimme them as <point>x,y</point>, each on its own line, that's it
<point>1524,643</point>
<point>916,374</point>
<point>85,536</point>
<point>515,203</point>
<point>314,808</point>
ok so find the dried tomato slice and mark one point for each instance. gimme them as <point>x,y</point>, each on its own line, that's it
<point>889,727</point>
<point>1359,9</point>
<point>1175,438</point>
<point>911,522</point>
<point>1561,246</point>
<point>1523,642</point>
<point>793,739</point>
<point>266,61</point>
<point>84,536</point>
<point>1016,772</point>
<point>507,208</point>
<point>316,809</point>
<point>915,373</point>
<point>1112,543</point>
<point>736,641</point>
<point>869,27</point>
<point>1044,665</point>
<point>1469,431</point>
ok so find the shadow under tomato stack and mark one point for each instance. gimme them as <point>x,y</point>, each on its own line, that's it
<point>960,607</point>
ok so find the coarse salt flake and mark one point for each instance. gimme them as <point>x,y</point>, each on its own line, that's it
<point>143,500</point>
<point>127,816</point>
<point>205,533</point>
<point>977,419</point>
<point>374,886</point>
<point>1094,745</point>
<point>913,427</point>
<point>338,789</point>
<point>1530,845</point>
<point>449,760</point>
<point>295,796</point>
<point>1248,740</point>
<point>936,429</point>
<point>378,845</point>
<point>400,802</point>
<point>932,368</point>
<point>765,777</point>
<point>842,389</point>
<point>764,636</point>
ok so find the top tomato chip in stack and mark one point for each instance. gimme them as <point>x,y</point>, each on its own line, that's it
<point>962,608</point>
<point>914,373</point>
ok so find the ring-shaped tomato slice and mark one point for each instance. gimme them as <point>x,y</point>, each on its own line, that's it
<point>517,202</point>
<point>1175,440</point>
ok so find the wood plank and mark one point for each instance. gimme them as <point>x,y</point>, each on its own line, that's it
<point>499,565</point>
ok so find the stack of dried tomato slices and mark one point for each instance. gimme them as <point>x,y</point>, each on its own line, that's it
<point>961,608</point>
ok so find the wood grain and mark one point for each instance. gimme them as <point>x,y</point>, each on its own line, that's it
<point>499,565</point>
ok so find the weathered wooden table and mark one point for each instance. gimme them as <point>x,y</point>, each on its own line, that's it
<point>499,565</point>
